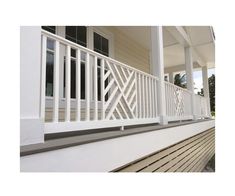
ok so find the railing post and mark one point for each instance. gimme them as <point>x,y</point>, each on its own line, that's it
<point>56,82</point>
<point>206,90</point>
<point>32,90</point>
<point>68,82</point>
<point>158,70</point>
<point>78,84</point>
<point>189,74</point>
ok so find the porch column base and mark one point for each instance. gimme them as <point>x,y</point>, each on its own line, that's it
<point>31,131</point>
<point>163,120</point>
<point>195,117</point>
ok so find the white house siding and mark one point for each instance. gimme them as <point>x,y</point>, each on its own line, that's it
<point>129,52</point>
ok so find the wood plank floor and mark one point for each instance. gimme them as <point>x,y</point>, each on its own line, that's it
<point>190,155</point>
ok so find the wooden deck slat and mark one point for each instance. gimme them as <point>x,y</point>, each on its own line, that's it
<point>159,163</point>
<point>187,160</point>
<point>202,144</point>
<point>156,156</point>
<point>193,165</point>
<point>201,163</point>
<point>177,157</point>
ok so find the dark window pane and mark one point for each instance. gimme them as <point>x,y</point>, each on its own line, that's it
<point>49,73</point>
<point>81,35</point>
<point>99,84</point>
<point>97,42</point>
<point>71,39</point>
<point>70,32</point>
<point>76,34</point>
<point>101,44</point>
<point>83,87</point>
<point>73,53</point>
<point>49,28</point>
<point>73,79</point>
<point>105,46</point>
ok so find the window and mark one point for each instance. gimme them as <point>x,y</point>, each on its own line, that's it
<point>73,75</point>
<point>49,67</point>
<point>51,29</point>
<point>76,34</point>
<point>101,44</point>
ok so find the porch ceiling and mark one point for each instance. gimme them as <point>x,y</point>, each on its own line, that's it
<point>200,36</point>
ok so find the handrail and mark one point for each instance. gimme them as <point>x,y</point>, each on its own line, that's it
<point>178,87</point>
<point>65,41</point>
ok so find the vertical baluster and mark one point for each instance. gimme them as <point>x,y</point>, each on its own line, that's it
<point>172,100</point>
<point>143,95</point>
<point>78,84</point>
<point>43,75</point>
<point>156,101</point>
<point>56,82</point>
<point>150,98</point>
<point>95,89</point>
<point>147,97</point>
<point>167,98</point>
<point>139,81</point>
<point>68,82</point>
<point>87,89</point>
<point>102,90</point>
<point>153,102</point>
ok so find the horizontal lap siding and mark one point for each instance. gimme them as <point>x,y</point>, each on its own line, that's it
<point>129,52</point>
<point>190,155</point>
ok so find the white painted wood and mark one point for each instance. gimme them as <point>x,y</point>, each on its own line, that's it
<point>95,90</point>
<point>68,82</point>
<point>32,84</point>
<point>78,84</point>
<point>158,68</point>
<point>155,98</point>
<point>85,125</point>
<point>171,77</point>
<point>87,88</point>
<point>81,158</point>
<point>136,95</point>
<point>150,98</point>
<point>143,95</point>
<point>102,90</point>
<point>206,89</point>
<point>56,82</point>
<point>189,75</point>
<point>43,76</point>
<point>139,95</point>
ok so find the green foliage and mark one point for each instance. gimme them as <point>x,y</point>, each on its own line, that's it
<point>211,81</point>
<point>180,80</point>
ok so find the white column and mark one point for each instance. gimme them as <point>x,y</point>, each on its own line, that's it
<point>171,77</point>
<point>31,125</point>
<point>189,75</point>
<point>206,88</point>
<point>157,60</point>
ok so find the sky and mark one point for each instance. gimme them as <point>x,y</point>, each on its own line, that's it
<point>197,76</point>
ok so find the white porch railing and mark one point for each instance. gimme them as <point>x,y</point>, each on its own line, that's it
<point>178,102</point>
<point>115,94</point>
<point>200,107</point>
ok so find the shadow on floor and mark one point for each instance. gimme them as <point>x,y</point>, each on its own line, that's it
<point>210,167</point>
